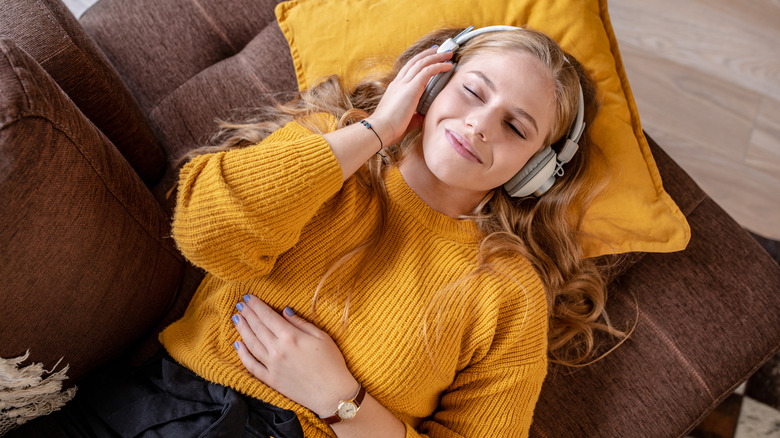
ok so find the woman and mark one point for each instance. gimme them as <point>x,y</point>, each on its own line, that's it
<point>418,265</point>
<point>396,293</point>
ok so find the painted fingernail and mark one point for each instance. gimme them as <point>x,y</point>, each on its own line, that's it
<point>434,46</point>
<point>235,344</point>
<point>240,306</point>
<point>246,297</point>
<point>289,311</point>
<point>235,319</point>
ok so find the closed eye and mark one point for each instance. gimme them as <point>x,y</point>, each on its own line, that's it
<point>510,126</point>
<point>514,129</point>
<point>472,92</point>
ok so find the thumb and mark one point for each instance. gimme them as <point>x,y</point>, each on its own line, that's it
<point>299,322</point>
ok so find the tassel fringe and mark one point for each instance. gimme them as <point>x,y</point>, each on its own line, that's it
<point>26,394</point>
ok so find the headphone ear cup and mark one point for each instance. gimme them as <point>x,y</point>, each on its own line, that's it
<point>434,87</point>
<point>537,174</point>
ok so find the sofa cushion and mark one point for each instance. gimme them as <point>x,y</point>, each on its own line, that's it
<point>708,318</point>
<point>225,61</point>
<point>86,264</point>
<point>50,34</point>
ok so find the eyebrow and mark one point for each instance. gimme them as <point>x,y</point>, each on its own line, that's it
<point>517,111</point>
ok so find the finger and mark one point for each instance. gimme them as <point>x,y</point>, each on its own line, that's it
<point>415,58</point>
<point>416,65</point>
<point>430,71</point>
<point>265,315</point>
<point>300,323</point>
<point>251,363</point>
<point>252,342</point>
<point>255,321</point>
<point>432,63</point>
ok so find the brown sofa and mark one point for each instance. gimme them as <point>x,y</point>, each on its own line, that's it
<point>91,113</point>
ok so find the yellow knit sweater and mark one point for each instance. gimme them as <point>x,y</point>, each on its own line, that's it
<point>448,358</point>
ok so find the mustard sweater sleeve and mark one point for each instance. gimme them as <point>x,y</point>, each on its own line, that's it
<point>237,211</point>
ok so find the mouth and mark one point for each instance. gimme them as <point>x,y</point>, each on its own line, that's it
<point>462,146</point>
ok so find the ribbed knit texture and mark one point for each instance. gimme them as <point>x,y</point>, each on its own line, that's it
<point>269,220</point>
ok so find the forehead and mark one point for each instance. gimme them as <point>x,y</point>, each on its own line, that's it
<point>509,61</point>
<point>518,78</point>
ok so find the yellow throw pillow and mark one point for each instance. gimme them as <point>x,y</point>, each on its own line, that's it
<point>633,214</point>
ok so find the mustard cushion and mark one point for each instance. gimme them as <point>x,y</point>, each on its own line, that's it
<point>633,214</point>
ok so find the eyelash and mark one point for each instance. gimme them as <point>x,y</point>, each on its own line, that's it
<point>510,126</point>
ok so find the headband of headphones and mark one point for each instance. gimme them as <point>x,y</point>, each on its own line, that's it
<point>538,175</point>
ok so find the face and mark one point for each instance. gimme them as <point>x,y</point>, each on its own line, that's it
<point>488,121</point>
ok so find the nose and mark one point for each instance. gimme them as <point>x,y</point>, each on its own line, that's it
<point>478,122</point>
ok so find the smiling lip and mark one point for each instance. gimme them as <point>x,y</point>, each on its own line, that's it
<point>462,146</point>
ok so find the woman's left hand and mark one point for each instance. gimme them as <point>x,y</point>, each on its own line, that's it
<point>292,356</point>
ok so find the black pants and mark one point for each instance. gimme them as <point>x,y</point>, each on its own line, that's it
<point>161,399</point>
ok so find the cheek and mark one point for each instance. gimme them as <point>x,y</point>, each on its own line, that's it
<point>510,162</point>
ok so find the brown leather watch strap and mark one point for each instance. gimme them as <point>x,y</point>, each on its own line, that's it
<point>357,401</point>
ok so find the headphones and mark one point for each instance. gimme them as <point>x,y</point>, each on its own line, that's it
<point>539,173</point>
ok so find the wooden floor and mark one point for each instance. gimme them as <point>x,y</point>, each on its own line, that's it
<point>706,78</point>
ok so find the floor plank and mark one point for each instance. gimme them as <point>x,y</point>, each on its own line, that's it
<point>763,152</point>
<point>706,77</point>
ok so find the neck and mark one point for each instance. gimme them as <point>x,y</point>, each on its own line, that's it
<point>451,201</point>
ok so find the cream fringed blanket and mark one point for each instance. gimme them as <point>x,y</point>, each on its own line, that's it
<point>26,394</point>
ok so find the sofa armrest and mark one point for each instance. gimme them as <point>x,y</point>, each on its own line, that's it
<point>87,268</point>
<point>52,36</point>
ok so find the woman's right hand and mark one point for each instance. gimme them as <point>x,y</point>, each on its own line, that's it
<point>395,113</point>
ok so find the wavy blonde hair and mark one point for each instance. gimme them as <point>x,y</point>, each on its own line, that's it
<point>545,230</point>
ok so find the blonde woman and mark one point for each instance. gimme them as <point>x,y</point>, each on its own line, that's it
<point>369,271</point>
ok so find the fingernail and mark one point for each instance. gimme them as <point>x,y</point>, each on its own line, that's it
<point>240,306</point>
<point>434,46</point>
<point>246,297</point>
<point>235,319</point>
<point>289,311</point>
<point>235,344</point>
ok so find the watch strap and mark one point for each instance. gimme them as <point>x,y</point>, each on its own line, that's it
<point>357,400</point>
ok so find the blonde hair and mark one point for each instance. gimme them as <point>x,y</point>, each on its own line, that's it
<point>545,230</point>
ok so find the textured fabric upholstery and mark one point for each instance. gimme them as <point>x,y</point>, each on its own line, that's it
<point>50,34</point>
<point>225,61</point>
<point>85,267</point>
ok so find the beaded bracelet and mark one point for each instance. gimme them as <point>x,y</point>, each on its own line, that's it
<point>371,128</point>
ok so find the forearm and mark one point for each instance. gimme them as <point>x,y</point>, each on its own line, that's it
<point>353,145</point>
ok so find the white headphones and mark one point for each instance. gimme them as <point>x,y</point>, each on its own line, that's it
<point>538,175</point>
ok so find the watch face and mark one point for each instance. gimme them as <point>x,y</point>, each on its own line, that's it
<point>347,410</point>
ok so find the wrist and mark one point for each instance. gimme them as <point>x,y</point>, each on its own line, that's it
<point>383,130</point>
<point>371,128</point>
<point>344,408</point>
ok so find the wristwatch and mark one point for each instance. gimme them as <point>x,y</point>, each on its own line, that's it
<point>347,408</point>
